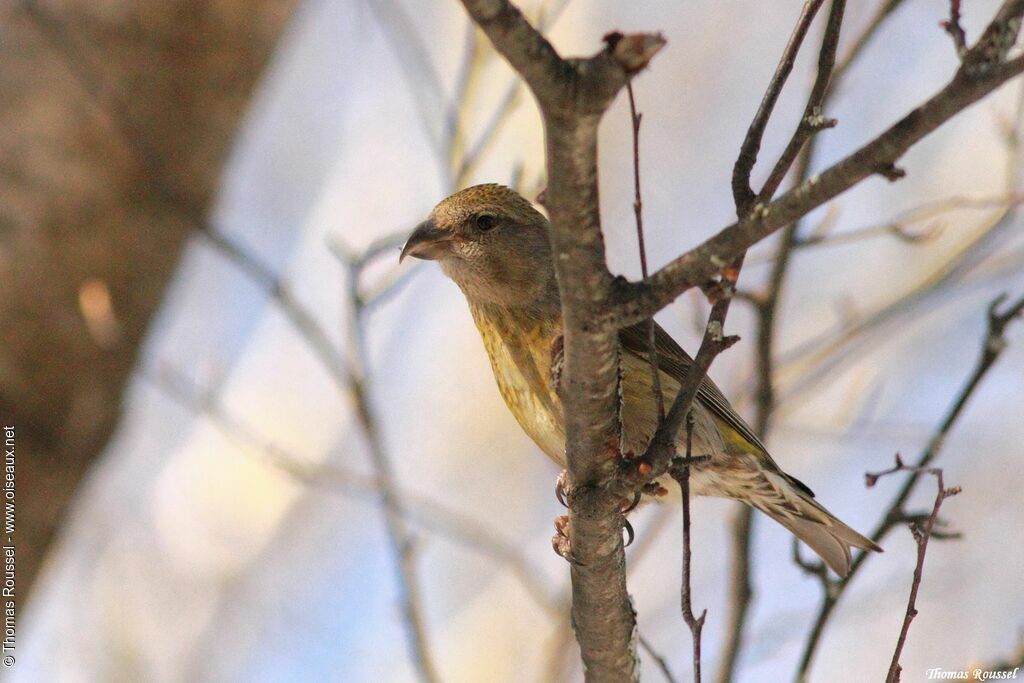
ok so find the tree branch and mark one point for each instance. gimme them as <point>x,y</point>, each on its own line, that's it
<point>743,195</point>
<point>992,347</point>
<point>572,95</point>
<point>681,473</point>
<point>740,589</point>
<point>982,71</point>
<point>922,533</point>
<point>638,206</point>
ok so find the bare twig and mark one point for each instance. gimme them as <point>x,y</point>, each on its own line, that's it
<point>984,69</point>
<point>573,95</point>
<point>662,448</point>
<point>922,534</point>
<point>812,120</point>
<point>821,356</point>
<point>743,195</point>
<point>658,659</point>
<point>955,30</point>
<point>992,347</point>
<point>681,473</point>
<point>638,205</point>
<point>740,588</point>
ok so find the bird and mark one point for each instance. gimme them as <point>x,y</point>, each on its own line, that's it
<point>494,245</point>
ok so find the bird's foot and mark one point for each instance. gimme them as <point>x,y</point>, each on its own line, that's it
<point>560,541</point>
<point>562,487</point>
<point>630,534</point>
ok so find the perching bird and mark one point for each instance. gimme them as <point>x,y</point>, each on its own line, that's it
<point>494,245</point>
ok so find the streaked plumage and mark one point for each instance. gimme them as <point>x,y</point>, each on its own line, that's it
<point>494,245</point>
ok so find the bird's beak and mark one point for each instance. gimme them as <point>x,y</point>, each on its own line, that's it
<point>427,241</point>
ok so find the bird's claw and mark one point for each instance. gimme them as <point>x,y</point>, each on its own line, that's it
<point>630,534</point>
<point>632,506</point>
<point>560,541</point>
<point>561,486</point>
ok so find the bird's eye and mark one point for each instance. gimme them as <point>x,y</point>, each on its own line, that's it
<point>485,222</point>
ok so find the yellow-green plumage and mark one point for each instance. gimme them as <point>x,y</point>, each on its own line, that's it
<point>494,245</point>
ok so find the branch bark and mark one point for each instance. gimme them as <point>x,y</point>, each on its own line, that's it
<point>992,347</point>
<point>983,69</point>
<point>922,534</point>
<point>740,588</point>
<point>572,95</point>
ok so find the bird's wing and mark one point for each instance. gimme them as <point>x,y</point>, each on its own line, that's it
<point>674,361</point>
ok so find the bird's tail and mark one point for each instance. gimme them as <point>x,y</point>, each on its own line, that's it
<point>792,505</point>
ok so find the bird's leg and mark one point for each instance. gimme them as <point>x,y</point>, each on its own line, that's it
<point>560,541</point>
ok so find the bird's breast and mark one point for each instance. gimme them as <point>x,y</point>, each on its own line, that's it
<point>519,348</point>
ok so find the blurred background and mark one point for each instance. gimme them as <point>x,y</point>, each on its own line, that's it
<point>248,440</point>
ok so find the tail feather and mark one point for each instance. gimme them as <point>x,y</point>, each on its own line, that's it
<point>809,521</point>
<point>831,540</point>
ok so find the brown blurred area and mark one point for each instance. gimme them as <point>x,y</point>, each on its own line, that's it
<point>116,117</point>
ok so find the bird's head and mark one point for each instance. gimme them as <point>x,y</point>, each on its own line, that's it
<point>491,242</point>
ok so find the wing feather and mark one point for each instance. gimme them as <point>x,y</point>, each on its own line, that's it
<point>675,362</point>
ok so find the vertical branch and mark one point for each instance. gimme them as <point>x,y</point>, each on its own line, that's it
<point>740,585</point>
<point>399,536</point>
<point>993,345</point>
<point>922,533</point>
<point>573,96</point>
<point>638,204</point>
<point>743,195</point>
<point>681,473</point>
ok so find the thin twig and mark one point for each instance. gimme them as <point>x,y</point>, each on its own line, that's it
<point>994,344</point>
<point>812,120</point>
<point>658,659</point>
<point>955,30</point>
<point>681,473</point>
<point>662,447</point>
<point>740,588</point>
<point>743,195</point>
<point>740,585</point>
<point>638,204</point>
<point>822,355</point>
<point>922,534</point>
<point>985,68</point>
<point>428,513</point>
